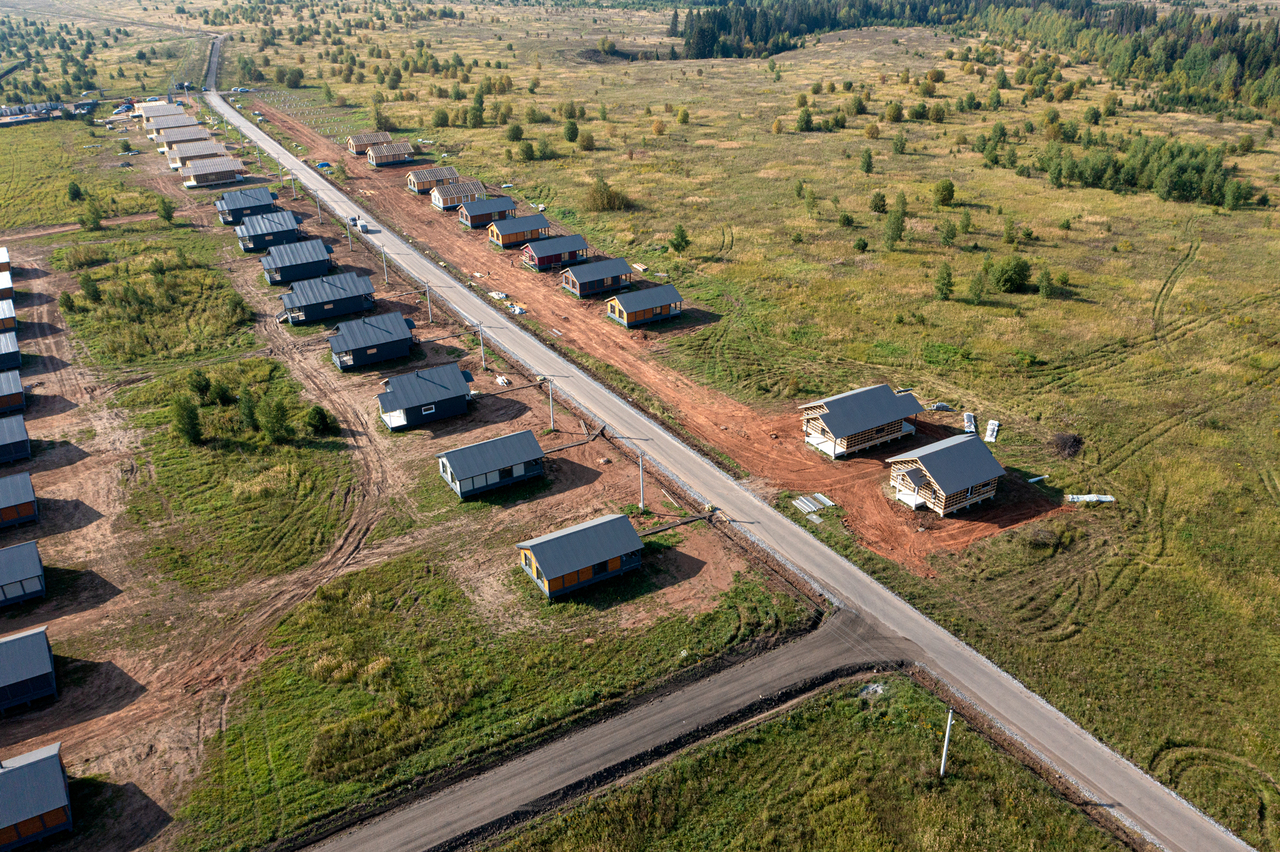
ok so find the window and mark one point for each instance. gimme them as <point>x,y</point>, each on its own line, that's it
<point>268,238</point>
<point>504,473</point>
<point>428,409</point>
<point>371,351</point>
<point>329,307</point>
<point>527,560</point>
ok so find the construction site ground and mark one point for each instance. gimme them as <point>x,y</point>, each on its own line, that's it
<point>766,441</point>
<point>148,666</point>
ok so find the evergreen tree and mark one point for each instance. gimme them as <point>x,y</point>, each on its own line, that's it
<point>679,239</point>
<point>673,30</point>
<point>942,285</point>
<point>867,165</point>
<point>185,417</point>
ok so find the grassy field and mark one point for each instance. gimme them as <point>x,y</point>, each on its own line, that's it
<point>41,160</point>
<point>236,505</point>
<point>391,673</point>
<point>1157,626</point>
<point>149,295</point>
<point>783,786</point>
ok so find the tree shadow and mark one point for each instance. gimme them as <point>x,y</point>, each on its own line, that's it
<point>67,592</point>
<point>109,817</point>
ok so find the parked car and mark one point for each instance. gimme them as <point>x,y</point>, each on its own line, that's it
<point>152,99</point>
<point>364,227</point>
<point>353,220</point>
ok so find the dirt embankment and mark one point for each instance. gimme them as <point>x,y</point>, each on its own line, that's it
<point>768,444</point>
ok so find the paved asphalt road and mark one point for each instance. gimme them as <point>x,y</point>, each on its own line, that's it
<point>1100,774</point>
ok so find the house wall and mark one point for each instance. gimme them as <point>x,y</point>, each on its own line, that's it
<point>336,308</point>
<point>630,320</point>
<point>31,830</point>
<point>453,202</point>
<point>375,354</point>
<point>581,578</point>
<point>21,590</point>
<point>481,220</point>
<point>262,242</point>
<point>26,691</point>
<point>389,159</point>
<point>440,410</point>
<point>8,323</point>
<point>214,178</point>
<point>13,402</point>
<point>11,516</point>
<point>592,288</point>
<point>302,272</point>
<point>10,360</point>
<point>933,495</point>
<point>565,259</point>
<point>236,217</point>
<point>517,239</point>
<point>6,292</point>
<point>494,479</point>
<point>16,451</point>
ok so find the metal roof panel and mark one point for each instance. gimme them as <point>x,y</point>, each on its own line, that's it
<point>32,784</point>
<point>6,309</point>
<point>279,222</point>
<point>588,543</point>
<point>168,122</point>
<point>24,655</point>
<point>369,138</point>
<point>494,454</point>
<point>466,186</point>
<point>956,463</point>
<point>10,382</point>
<point>643,300</point>
<point>295,254</point>
<point>20,562</point>
<point>8,342</point>
<point>195,149</point>
<point>242,198</point>
<point>519,224</point>
<point>437,173</point>
<point>213,165</point>
<point>424,387</point>
<point>865,408</point>
<point>12,429</point>
<point>559,245</point>
<point>370,331</point>
<point>401,148</point>
<point>327,288</point>
<point>488,205</point>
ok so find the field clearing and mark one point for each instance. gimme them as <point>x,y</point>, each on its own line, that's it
<point>781,785</point>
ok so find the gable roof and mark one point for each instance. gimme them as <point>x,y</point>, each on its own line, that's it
<point>369,138</point>
<point>600,270</point>
<point>267,223</point>
<point>327,288</point>
<point>558,245</point>
<point>16,490</point>
<point>213,165</point>
<point>865,408</point>
<point>12,429</point>
<point>196,148</point>
<point>466,186</point>
<point>588,543</point>
<point>153,109</point>
<point>10,382</point>
<point>956,463</point>
<point>520,224</point>
<point>20,562</point>
<point>25,655</point>
<point>482,206</point>
<point>423,387</point>
<point>370,331</point>
<point>295,254</point>
<point>241,198</point>
<point>653,297</point>
<point>168,122</point>
<point>177,135</point>
<point>6,309</point>
<point>437,173</point>
<point>32,784</point>
<point>8,342</point>
<point>494,454</point>
<point>391,148</point>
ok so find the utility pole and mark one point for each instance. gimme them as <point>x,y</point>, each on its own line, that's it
<point>318,214</point>
<point>385,280</point>
<point>482,366</point>
<point>641,482</point>
<point>429,319</point>
<point>551,404</point>
<point>349,236</point>
<point>946,741</point>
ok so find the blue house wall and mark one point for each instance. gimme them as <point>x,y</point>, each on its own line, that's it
<point>336,308</point>
<point>237,217</point>
<point>302,271</point>
<point>375,354</point>
<point>443,409</point>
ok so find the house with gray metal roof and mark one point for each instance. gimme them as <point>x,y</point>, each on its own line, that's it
<point>233,207</point>
<point>644,306</point>
<point>853,421</point>
<point>422,396</point>
<point>17,500</point>
<point>184,153</point>
<point>168,122</point>
<point>6,284</point>
<point>10,355</point>
<point>369,340</point>
<point>26,668</point>
<point>600,276</point>
<point>422,181</point>
<point>261,232</point>
<point>947,475</point>
<point>297,261</point>
<point>212,172</point>
<point>21,573</point>
<point>573,558</point>
<point>492,464</point>
<point>557,251</point>
<point>8,316</point>
<point>14,443</point>
<point>389,154</point>
<point>359,143</point>
<point>35,801</point>
<point>477,214</point>
<point>450,195</point>
<point>12,397</point>
<point>516,231</point>
<point>316,299</point>
<point>180,136</point>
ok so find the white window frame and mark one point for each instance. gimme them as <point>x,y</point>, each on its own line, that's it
<point>428,409</point>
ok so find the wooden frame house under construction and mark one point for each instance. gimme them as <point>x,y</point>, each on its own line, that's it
<point>854,421</point>
<point>947,475</point>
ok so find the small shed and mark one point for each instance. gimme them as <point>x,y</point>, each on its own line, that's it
<point>947,475</point>
<point>557,251</point>
<point>422,396</point>
<point>234,207</point>
<point>645,306</point>
<point>12,397</point>
<point>17,500</point>
<point>477,214</point>
<point>35,801</point>
<point>10,356</point>
<point>518,230</point>
<point>568,560</point>
<point>157,127</point>
<point>214,171</point>
<point>26,668</point>
<point>369,340</point>
<point>8,317</point>
<point>6,284</point>
<point>4,259</point>
<point>21,573</point>
<point>362,142</point>
<point>492,464</point>
<point>858,419</point>
<point>600,276</point>
<point>14,443</point>
<point>296,261</point>
<point>424,180</point>
<point>181,136</point>
<point>261,232</point>
<point>390,154</point>
<point>328,296</point>
<point>188,152</point>
<point>449,196</point>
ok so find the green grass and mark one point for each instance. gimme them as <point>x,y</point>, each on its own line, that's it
<point>235,506</point>
<point>43,159</point>
<point>840,772</point>
<point>392,673</point>
<point>159,300</point>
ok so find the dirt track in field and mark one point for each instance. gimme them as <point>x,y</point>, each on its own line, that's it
<point>766,442</point>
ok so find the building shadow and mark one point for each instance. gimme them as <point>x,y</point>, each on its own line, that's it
<point>28,330</point>
<point>109,818</point>
<point>567,475</point>
<point>67,592</point>
<point>51,455</point>
<point>28,299</point>
<point>485,411</point>
<point>690,318</point>
<point>87,690</point>
<point>47,405</point>
<point>29,273</point>
<point>58,515</point>
<point>39,365</point>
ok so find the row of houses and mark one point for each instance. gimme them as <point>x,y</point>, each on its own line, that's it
<point>379,149</point>
<point>189,147</point>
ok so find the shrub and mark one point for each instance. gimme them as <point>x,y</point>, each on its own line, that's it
<point>942,283</point>
<point>66,302</point>
<point>199,384</point>
<point>514,132</point>
<point>867,163</point>
<point>900,143</point>
<point>571,131</point>
<point>602,197</point>
<point>164,209</point>
<point>878,203</point>
<point>659,128</point>
<point>893,112</point>
<point>185,417</point>
<point>440,118</point>
<point>966,222</point>
<point>274,419</point>
<point>525,151</point>
<point>683,117</point>
<point>1011,274</point>
<point>1066,445</point>
<point>586,141</point>
<point>248,409</point>
<point>860,245</point>
<point>894,227</point>
<point>804,121</point>
<point>947,230</point>
<point>944,192</point>
<point>545,150</point>
<point>319,421</point>
<point>74,193</point>
<point>846,220</point>
<point>872,131</point>
<point>89,288</point>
